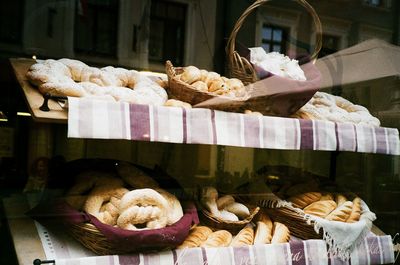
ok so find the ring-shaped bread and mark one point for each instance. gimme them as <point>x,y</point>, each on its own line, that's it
<point>143,209</point>
<point>67,77</point>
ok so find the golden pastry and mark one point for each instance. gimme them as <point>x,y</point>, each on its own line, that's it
<point>263,233</point>
<point>355,212</point>
<point>281,233</point>
<point>221,238</point>
<point>244,237</point>
<point>341,213</point>
<point>304,199</point>
<point>197,236</point>
<point>320,208</point>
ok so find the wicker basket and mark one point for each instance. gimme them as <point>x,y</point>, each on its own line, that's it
<point>232,226</point>
<point>180,90</point>
<point>239,67</point>
<point>89,236</point>
<point>296,223</point>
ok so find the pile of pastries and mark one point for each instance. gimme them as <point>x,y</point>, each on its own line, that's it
<point>264,232</point>
<point>212,82</point>
<point>68,77</point>
<point>132,201</point>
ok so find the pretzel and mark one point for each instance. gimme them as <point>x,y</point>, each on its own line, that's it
<point>323,106</point>
<point>67,77</point>
<point>143,209</point>
<point>103,202</point>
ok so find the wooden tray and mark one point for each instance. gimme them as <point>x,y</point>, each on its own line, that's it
<point>33,97</point>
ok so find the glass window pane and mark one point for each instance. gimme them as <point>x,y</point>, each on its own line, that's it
<point>277,35</point>
<point>266,33</point>
<point>276,48</point>
<point>266,47</point>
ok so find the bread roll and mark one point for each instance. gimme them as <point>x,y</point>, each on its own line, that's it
<point>177,103</point>
<point>228,216</point>
<point>341,213</point>
<point>320,208</point>
<point>190,74</point>
<point>197,236</point>
<point>244,237</point>
<point>225,200</point>
<point>209,198</point>
<point>221,238</point>
<point>217,85</point>
<point>238,209</point>
<point>355,212</point>
<point>281,233</point>
<point>304,199</point>
<point>201,86</point>
<point>263,233</point>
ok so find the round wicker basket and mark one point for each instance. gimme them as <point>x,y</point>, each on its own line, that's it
<point>239,67</point>
<point>232,226</point>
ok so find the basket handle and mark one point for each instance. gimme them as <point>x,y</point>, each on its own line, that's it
<point>230,47</point>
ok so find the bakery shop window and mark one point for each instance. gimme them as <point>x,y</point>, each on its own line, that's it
<point>11,21</point>
<point>330,44</point>
<point>96,27</point>
<point>167,31</point>
<point>273,38</point>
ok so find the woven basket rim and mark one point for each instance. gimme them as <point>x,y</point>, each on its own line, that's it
<point>239,66</point>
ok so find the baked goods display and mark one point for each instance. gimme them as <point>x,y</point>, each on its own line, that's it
<point>212,82</point>
<point>67,77</point>
<point>324,106</point>
<point>131,200</point>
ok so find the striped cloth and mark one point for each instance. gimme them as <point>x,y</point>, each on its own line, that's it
<point>88,118</point>
<point>375,250</point>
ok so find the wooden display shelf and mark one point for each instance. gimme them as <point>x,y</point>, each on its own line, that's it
<point>33,97</point>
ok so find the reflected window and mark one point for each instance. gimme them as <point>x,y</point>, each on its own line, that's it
<point>11,21</point>
<point>167,31</point>
<point>273,38</point>
<point>377,3</point>
<point>96,26</point>
<point>330,44</point>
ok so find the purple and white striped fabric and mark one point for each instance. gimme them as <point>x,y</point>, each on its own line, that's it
<point>88,118</point>
<point>375,250</point>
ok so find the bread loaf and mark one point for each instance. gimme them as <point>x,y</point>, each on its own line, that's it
<point>341,213</point>
<point>281,233</point>
<point>244,237</point>
<point>197,236</point>
<point>238,209</point>
<point>223,201</point>
<point>263,233</point>
<point>221,238</point>
<point>355,212</point>
<point>320,208</point>
<point>304,199</point>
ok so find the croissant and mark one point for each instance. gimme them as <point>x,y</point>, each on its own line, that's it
<point>221,238</point>
<point>281,233</point>
<point>244,237</point>
<point>196,237</point>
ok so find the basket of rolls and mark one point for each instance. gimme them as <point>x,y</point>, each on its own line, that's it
<point>123,210</point>
<point>193,85</point>
<point>224,212</point>
<point>239,66</point>
<point>306,203</point>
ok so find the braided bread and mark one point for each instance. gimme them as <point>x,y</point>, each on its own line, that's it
<point>67,77</point>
